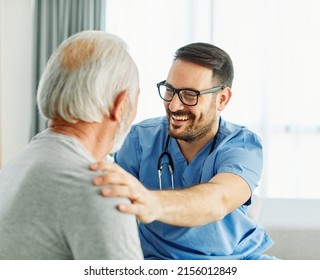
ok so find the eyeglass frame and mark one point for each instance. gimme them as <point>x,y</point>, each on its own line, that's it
<point>197,92</point>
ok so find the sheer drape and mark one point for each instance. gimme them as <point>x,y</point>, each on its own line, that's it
<point>274,46</point>
<point>55,20</point>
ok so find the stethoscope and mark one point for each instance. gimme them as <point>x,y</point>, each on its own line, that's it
<point>170,163</point>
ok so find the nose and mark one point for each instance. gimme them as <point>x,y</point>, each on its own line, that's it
<point>176,104</point>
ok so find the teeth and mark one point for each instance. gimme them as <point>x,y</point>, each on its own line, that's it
<point>180,118</point>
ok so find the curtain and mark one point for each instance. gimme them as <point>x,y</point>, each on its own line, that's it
<point>54,21</point>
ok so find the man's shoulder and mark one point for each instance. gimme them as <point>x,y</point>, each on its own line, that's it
<point>230,128</point>
<point>235,134</point>
<point>151,123</point>
<point>152,126</point>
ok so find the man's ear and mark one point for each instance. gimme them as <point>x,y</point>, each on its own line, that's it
<point>120,106</point>
<point>224,98</point>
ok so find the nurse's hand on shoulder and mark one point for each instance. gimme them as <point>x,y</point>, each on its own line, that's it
<point>116,182</point>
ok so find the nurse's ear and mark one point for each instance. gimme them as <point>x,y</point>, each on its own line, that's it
<point>223,98</point>
<point>120,106</point>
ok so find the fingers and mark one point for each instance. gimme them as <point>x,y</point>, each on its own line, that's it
<point>113,174</point>
<point>133,209</point>
<point>129,208</point>
<point>116,182</point>
<point>138,210</point>
<point>138,207</point>
<point>98,165</point>
<point>121,191</point>
<point>111,178</point>
<point>106,166</point>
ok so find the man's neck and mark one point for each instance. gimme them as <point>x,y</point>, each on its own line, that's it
<point>192,148</point>
<point>92,136</point>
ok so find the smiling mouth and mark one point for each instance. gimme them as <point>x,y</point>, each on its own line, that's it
<point>180,118</point>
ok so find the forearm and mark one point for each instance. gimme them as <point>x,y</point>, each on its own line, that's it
<point>194,206</point>
<point>203,203</point>
<point>191,206</point>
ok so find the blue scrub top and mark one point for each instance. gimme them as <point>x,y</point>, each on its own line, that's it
<point>237,150</point>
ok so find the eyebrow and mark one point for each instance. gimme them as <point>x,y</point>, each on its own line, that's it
<point>167,84</point>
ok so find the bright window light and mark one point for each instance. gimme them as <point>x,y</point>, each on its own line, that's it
<point>274,46</point>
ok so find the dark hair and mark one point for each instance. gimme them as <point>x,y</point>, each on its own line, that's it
<point>211,57</point>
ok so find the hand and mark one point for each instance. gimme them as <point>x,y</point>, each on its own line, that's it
<point>116,182</point>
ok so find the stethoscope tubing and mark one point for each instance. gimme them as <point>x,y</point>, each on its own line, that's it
<point>171,165</point>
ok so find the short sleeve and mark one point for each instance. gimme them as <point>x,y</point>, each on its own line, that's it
<point>243,156</point>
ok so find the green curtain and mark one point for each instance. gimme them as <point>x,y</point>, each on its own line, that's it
<point>54,21</point>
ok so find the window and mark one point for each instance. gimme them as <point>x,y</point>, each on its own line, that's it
<point>274,48</point>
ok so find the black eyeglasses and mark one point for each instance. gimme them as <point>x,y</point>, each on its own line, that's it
<point>187,96</point>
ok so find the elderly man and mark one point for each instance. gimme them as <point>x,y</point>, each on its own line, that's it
<point>48,209</point>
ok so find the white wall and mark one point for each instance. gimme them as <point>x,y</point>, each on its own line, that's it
<point>15,76</point>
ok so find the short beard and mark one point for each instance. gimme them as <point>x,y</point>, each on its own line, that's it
<point>192,134</point>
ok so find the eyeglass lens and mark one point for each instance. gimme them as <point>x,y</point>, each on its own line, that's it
<point>188,97</point>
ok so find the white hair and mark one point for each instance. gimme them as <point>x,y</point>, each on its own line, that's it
<point>84,76</point>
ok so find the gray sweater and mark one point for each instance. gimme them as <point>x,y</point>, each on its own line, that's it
<point>49,208</point>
